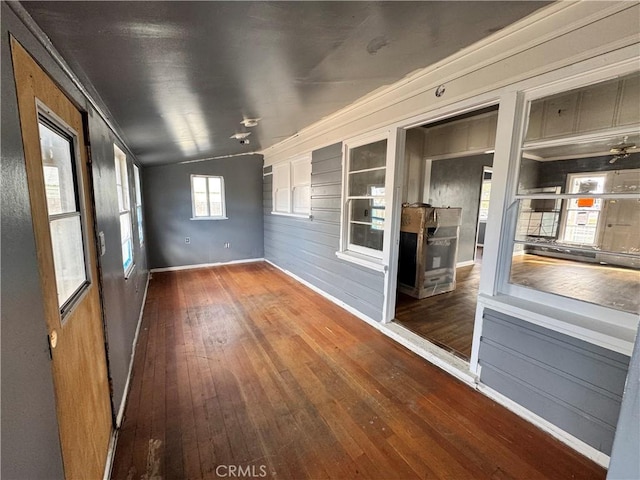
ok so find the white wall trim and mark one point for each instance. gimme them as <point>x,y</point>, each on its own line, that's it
<point>524,38</point>
<point>460,370</point>
<point>578,445</point>
<point>204,265</point>
<point>125,394</point>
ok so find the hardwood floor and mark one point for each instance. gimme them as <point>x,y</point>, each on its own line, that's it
<point>242,369</point>
<point>445,319</point>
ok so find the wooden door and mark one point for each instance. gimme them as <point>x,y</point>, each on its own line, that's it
<point>621,218</point>
<point>62,213</point>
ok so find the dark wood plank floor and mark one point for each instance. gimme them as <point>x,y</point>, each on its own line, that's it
<point>447,320</point>
<point>242,368</point>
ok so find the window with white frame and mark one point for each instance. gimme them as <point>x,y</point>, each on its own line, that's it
<point>364,201</point>
<point>292,186</point>
<point>207,197</point>
<point>576,209</point>
<point>136,177</point>
<point>124,207</point>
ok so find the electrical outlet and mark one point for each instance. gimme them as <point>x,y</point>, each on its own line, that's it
<point>187,240</point>
<point>227,245</point>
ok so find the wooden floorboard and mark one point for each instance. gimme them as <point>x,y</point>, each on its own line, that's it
<point>447,319</point>
<point>242,367</point>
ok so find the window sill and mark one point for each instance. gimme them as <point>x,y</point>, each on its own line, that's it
<point>296,215</point>
<point>618,338</point>
<point>363,260</point>
<point>209,218</point>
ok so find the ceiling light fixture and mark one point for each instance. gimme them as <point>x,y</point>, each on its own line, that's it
<point>250,122</point>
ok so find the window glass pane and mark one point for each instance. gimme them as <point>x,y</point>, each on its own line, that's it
<point>215,185</point>
<point>127,243</point>
<point>140,229</point>
<point>200,203</point>
<point>373,155</point>
<point>578,214</point>
<point>366,236</point>
<point>215,204</point>
<point>68,256</point>
<point>57,164</point>
<point>367,183</point>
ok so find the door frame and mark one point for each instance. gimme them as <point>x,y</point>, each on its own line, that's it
<point>76,333</point>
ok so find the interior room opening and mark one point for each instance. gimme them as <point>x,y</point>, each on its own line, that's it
<point>445,196</point>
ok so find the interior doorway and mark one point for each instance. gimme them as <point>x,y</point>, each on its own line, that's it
<point>447,175</point>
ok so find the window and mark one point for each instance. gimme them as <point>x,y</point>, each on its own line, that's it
<point>292,187</point>
<point>136,178</point>
<point>207,197</point>
<point>65,216</point>
<point>364,202</point>
<point>124,206</point>
<point>576,210</point>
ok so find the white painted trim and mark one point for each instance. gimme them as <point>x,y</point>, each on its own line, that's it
<point>457,368</point>
<point>517,49</point>
<point>204,265</point>
<point>430,352</point>
<point>111,453</point>
<point>594,330</point>
<point>466,263</point>
<point>363,260</point>
<point>125,394</point>
<point>295,215</point>
<point>329,297</point>
<point>578,445</point>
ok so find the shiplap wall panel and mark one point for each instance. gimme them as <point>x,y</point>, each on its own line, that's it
<point>572,384</point>
<point>307,246</point>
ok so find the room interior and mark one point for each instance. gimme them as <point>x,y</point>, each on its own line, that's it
<point>228,297</point>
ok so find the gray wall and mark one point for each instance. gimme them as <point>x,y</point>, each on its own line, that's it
<point>572,384</point>
<point>30,446</point>
<point>307,247</point>
<point>625,461</point>
<point>456,182</point>
<point>122,299</point>
<point>167,201</point>
<point>30,443</point>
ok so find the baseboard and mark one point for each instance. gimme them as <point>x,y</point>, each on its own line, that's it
<point>205,265</point>
<point>459,369</point>
<point>125,394</point>
<point>576,444</point>
<point>110,455</point>
<point>465,264</point>
<point>419,346</point>
<point>329,297</point>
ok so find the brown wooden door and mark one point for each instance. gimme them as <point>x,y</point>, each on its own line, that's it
<point>61,208</point>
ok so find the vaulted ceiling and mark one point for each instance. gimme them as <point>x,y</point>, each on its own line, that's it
<point>177,78</point>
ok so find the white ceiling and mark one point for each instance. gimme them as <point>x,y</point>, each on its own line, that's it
<point>177,78</point>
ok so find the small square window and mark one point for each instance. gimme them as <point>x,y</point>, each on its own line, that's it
<point>207,197</point>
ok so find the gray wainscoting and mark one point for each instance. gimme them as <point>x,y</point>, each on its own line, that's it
<point>570,383</point>
<point>307,247</point>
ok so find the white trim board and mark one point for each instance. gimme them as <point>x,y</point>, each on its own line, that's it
<point>125,394</point>
<point>455,367</point>
<point>204,265</point>
<point>578,445</point>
